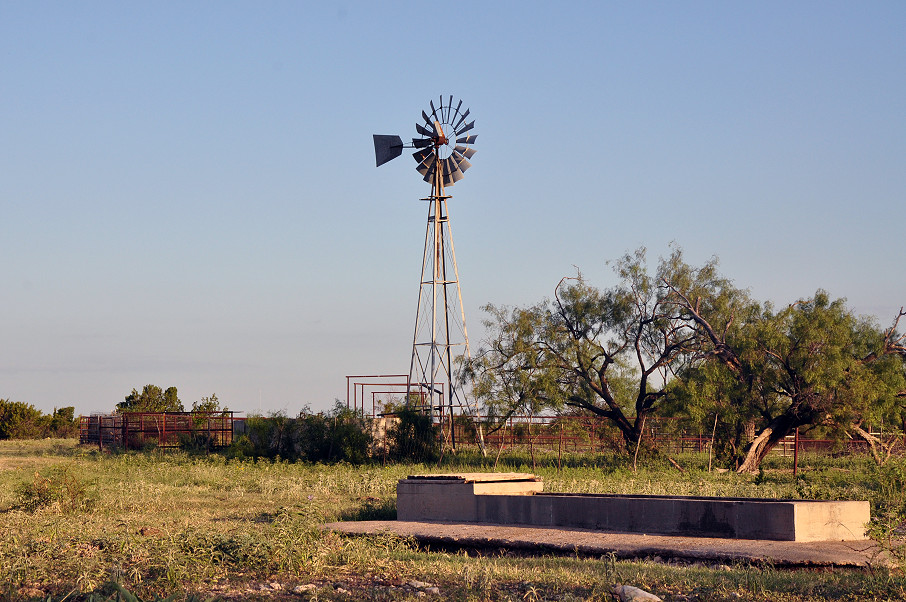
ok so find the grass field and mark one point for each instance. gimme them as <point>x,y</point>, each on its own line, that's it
<point>76,521</point>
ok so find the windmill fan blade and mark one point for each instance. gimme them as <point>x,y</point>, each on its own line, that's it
<point>425,131</point>
<point>449,108</point>
<point>426,118</point>
<point>463,164</point>
<point>467,139</point>
<point>468,152</point>
<point>421,142</point>
<point>426,162</point>
<point>465,128</point>
<point>426,165</point>
<point>386,148</point>
<point>420,155</point>
<point>433,110</point>
<point>461,119</point>
<point>457,107</point>
<point>429,173</point>
<point>452,169</point>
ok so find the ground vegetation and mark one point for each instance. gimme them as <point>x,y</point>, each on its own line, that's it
<point>78,524</point>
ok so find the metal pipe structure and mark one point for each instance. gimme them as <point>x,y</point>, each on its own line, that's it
<point>432,374</point>
<point>440,338</point>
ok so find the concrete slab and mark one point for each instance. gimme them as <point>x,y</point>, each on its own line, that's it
<point>551,540</point>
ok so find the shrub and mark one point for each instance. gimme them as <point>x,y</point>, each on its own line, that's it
<point>63,423</point>
<point>57,487</point>
<point>338,435</point>
<point>414,437</point>
<point>20,420</point>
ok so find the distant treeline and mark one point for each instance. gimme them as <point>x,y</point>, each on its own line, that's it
<point>20,420</point>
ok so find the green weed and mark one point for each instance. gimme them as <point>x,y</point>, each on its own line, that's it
<point>57,488</point>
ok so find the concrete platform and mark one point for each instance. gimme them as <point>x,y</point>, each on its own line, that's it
<point>518,499</point>
<point>549,540</point>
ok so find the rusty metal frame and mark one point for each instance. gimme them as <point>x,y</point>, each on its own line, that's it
<point>135,430</point>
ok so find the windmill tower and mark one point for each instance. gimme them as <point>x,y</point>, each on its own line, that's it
<point>440,342</point>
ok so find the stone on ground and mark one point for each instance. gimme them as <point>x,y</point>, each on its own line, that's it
<point>628,593</point>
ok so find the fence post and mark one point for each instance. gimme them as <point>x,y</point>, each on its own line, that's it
<point>796,452</point>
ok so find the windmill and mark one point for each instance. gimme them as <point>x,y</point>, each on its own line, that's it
<point>442,154</point>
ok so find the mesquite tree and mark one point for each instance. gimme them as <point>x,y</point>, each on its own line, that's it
<point>812,363</point>
<point>608,352</point>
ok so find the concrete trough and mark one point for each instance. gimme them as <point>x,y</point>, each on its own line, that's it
<point>518,499</point>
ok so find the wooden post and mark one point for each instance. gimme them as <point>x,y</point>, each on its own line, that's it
<point>796,452</point>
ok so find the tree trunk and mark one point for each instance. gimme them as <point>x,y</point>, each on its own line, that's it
<point>880,451</point>
<point>630,431</point>
<point>764,442</point>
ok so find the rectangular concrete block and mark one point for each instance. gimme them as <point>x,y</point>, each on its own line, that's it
<point>516,498</point>
<point>840,521</point>
<point>453,497</point>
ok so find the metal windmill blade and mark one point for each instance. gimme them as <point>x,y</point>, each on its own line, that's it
<point>465,151</point>
<point>461,118</point>
<point>425,159</point>
<point>461,162</point>
<point>425,131</point>
<point>465,128</point>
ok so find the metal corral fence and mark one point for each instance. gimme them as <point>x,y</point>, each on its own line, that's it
<point>565,434</point>
<point>560,434</point>
<point>136,430</point>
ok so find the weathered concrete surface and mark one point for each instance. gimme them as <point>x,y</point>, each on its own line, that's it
<point>475,477</point>
<point>547,540</point>
<point>516,499</point>
<point>455,496</point>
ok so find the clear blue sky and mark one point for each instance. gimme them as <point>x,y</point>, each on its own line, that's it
<point>188,194</point>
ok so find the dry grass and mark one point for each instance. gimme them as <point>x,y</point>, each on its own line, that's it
<point>73,520</point>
